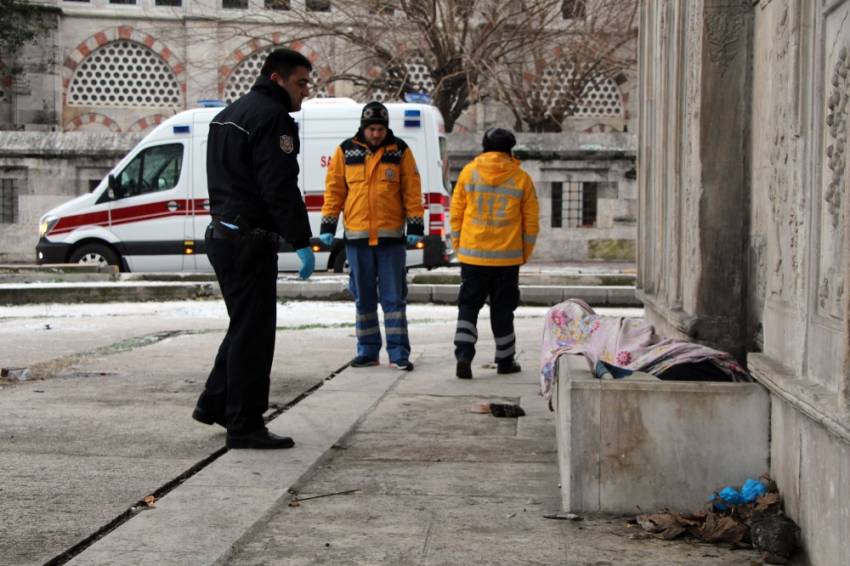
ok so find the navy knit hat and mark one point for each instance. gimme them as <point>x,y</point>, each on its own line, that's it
<point>498,139</point>
<point>374,113</point>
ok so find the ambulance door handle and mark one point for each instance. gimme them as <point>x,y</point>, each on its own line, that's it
<point>173,205</point>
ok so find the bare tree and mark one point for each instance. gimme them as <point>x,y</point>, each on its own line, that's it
<point>550,80</point>
<point>455,42</point>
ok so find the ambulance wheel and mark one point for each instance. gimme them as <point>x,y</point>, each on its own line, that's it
<point>94,254</point>
<point>340,262</point>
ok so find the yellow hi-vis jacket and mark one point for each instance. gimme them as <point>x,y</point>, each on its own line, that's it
<point>494,213</point>
<point>377,193</point>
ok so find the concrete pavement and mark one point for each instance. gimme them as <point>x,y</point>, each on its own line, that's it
<point>418,477</point>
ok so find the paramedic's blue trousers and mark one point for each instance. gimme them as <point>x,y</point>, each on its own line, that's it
<point>501,285</point>
<point>378,275</point>
<point>238,385</point>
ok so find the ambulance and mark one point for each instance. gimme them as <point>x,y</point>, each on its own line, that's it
<point>151,211</point>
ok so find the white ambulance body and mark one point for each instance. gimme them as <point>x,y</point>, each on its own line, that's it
<point>150,213</point>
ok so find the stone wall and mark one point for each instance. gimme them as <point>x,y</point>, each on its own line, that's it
<point>743,220</point>
<point>47,169</point>
<point>51,168</point>
<point>572,161</point>
<point>158,60</point>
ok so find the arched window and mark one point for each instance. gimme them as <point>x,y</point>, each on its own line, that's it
<point>124,73</point>
<point>600,98</point>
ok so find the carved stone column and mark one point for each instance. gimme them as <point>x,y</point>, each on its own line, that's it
<point>693,278</point>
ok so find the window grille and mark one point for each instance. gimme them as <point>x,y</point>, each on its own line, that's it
<point>277,4</point>
<point>235,4</point>
<point>599,99</point>
<point>8,201</point>
<point>418,80</point>
<point>174,3</point>
<point>124,74</point>
<point>580,205</point>
<point>243,76</point>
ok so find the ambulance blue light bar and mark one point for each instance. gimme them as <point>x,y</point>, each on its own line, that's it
<point>412,118</point>
<point>181,129</point>
<point>210,103</point>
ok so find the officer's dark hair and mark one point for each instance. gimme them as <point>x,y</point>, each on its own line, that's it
<point>283,62</point>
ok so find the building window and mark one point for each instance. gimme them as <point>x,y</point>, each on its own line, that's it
<point>277,4</point>
<point>128,2</point>
<point>175,3</point>
<point>557,204</point>
<point>235,4</point>
<point>318,5</point>
<point>588,204</point>
<point>580,205</point>
<point>573,9</point>
<point>125,74</point>
<point>82,1</point>
<point>8,201</point>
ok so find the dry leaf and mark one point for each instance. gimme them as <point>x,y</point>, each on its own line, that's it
<point>150,500</point>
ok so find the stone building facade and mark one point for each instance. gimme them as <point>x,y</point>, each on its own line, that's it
<point>743,221</point>
<point>123,66</point>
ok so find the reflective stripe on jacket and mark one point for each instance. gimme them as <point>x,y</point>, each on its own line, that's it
<point>377,193</point>
<point>494,212</point>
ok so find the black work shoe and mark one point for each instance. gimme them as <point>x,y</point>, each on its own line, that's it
<point>508,367</point>
<point>260,439</point>
<point>405,365</point>
<point>464,370</point>
<point>363,362</point>
<point>203,416</point>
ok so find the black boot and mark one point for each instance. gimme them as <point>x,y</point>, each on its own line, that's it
<point>464,370</point>
<point>508,366</point>
<point>260,439</point>
<point>203,416</point>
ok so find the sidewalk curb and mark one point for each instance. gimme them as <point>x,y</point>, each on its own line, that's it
<point>199,522</point>
<point>140,291</point>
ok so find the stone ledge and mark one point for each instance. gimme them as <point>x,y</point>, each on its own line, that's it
<point>645,444</point>
<point>812,399</point>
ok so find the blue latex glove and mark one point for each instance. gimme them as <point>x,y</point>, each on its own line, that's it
<point>327,238</point>
<point>412,240</point>
<point>308,262</point>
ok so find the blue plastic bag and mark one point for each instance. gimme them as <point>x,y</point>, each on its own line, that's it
<point>752,490</point>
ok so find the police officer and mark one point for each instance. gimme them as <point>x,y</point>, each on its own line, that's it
<point>252,173</point>
<point>494,219</point>
<point>374,182</point>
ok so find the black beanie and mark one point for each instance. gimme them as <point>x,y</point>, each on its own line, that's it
<point>374,113</point>
<point>498,139</point>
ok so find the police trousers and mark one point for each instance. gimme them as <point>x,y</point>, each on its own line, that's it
<point>478,283</point>
<point>237,388</point>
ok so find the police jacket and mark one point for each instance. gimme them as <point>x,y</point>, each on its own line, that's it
<point>252,164</point>
<point>494,212</point>
<point>378,192</point>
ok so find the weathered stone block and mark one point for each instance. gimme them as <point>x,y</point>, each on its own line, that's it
<point>611,249</point>
<point>632,444</point>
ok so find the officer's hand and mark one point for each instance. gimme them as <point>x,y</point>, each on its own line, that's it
<point>308,262</point>
<point>327,238</point>
<point>412,239</point>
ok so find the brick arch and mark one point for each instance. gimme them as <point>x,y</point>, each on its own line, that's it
<point>601,129</point>
<point>92,118</point>
<point>129,33</point>
<point>148,122</point>
<point>256,45</point>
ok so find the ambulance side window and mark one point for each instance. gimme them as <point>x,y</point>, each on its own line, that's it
<point>155,169</point>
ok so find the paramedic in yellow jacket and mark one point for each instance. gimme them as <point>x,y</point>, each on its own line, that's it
<point>494,217</point>
<point>374,182</point>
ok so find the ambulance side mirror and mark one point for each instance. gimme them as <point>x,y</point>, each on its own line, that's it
<point>114,190</point>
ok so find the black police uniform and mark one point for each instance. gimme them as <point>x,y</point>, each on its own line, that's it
<point>252,174</point>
